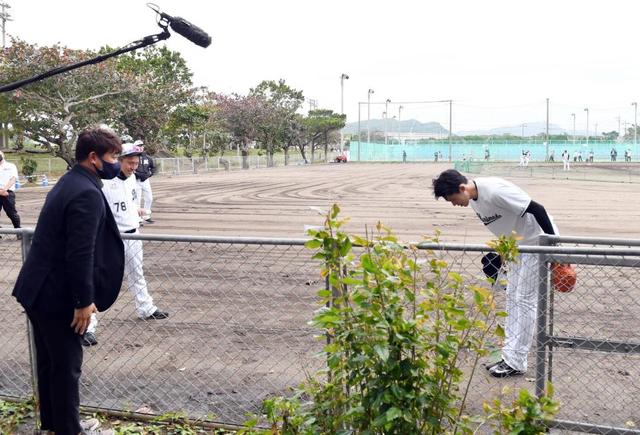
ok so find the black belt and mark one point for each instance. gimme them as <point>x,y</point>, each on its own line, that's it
<point>131,231</point>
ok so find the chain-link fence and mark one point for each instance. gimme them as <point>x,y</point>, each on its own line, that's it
<point>15,369</point>
<point>620,172</point>
<point>238,330</point>
<point>196,165</point>
<point>587,342</point>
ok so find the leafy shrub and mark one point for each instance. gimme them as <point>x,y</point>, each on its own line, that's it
<point>29,167</point>
<point>400,328</point>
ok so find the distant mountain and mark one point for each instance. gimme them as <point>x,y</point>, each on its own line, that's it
<point>393,126</point>
<point>530,129</point>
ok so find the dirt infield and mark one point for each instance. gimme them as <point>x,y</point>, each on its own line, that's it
<point>238,329</point>
<point>276,202</point>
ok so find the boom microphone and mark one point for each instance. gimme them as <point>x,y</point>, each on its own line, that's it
<point>190,31</point>
<point>179,25</point>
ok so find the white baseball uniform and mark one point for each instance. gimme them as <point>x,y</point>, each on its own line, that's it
<point>121,196</point>
<point>501,206</point>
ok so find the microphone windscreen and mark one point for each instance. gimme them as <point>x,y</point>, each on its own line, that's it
<point>190,31</point>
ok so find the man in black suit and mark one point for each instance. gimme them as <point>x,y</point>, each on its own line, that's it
<point>74,268</point>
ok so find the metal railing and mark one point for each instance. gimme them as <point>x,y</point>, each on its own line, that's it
<point>238,330</point>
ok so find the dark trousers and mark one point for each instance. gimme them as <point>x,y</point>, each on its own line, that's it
<point>8,203</point>
<point>59,364</point>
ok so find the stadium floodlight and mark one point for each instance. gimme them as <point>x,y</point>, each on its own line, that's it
<point>586,109</point>
<point>368,117</point>
<point>635,122</point>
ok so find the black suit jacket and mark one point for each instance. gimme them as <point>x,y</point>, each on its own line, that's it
<point>76,256</point>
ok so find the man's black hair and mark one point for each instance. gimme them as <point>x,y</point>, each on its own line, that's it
<point>448,183</point>
<point>98,139</point>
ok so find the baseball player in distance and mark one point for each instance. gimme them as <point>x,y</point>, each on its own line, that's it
<point>120,193</point>
<point>503,208</point>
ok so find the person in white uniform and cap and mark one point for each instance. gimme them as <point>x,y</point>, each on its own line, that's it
<point>120,193</point>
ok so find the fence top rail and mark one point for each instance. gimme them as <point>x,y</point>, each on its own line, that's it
<point>591,240</point>
<point>582,250</point>
<point>571,250</point>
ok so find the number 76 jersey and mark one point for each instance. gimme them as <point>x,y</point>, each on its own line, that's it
<point>121,196</point>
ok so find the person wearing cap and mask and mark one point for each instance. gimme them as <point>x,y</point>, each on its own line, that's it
<point>74,268</point>
<point>120,193</point>
<point>145,170</point>
<point>8,177</point>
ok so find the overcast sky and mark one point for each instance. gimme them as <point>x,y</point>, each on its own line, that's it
<point>497,60</point>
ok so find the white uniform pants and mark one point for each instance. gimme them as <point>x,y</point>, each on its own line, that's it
<point>144,190</point>
<point>522,304</point>
<point>565,166</point>
<point>137,284</point>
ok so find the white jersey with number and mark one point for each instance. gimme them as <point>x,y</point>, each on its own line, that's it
<point>121,196</point>
<point>501,206</point>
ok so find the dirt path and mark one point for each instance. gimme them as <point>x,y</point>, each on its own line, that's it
<point>276,202</point>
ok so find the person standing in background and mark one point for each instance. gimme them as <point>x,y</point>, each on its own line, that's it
<point>146,169</point>
<point>8,177</point>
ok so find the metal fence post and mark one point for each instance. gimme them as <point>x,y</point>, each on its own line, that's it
<point>26,245</point>
<point>541,334</point>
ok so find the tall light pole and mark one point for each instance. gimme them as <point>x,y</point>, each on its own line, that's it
<point>586,109</point>
<point>523,126</point>
<point>343,77</point>
<point>546,156</point>
<point>384,120</point>
<point>619,128</point>
<point>386,110</point>
<point>635,122</point>
<point>368,116</point>
<point>399,118</point>
<point>574,128</point>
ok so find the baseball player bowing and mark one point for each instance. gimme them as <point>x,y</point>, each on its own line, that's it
<point>503,208</point>
<point>120,193</point>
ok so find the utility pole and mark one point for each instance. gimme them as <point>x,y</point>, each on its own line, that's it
<point>574,128</point>
<point>4,17</point>
<point>343,77</point>
<point>586,109</point>
<point>368,116</point>
<point>399,118</point>
<point>359,134</point>
<point>313,104</point>
<point>635,122</point>
<point>619,128</point>
<point>547,147</point>
<point>386,113</point>
<point>450,126</point>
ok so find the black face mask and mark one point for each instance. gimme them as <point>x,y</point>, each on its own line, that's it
<point>109,171</point>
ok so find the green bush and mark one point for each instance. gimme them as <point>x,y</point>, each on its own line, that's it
<point>29,167</point>
<point>400,328</point>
